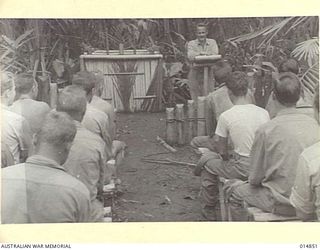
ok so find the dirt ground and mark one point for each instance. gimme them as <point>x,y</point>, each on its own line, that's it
<point>151,191</point>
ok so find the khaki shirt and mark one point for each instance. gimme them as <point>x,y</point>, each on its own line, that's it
<point>98,123</point>
<point>195,48</point>
<point>33,111</point>
<point>305,194</point>
<point>104,106</point>
<point>40,191</point>
<point>16,133</point>
<point>276,149</point>
<point>86,161</point>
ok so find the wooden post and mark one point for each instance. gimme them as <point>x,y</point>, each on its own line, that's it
<point>53,95</point>
<point>180,123</point>
<point>171,127</point>
<point>191,120</point>
<point>201,115</point>
<point>205,80</point>
<point>82,67</point>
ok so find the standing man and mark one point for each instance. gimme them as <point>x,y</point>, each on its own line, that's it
<point>87,158</point>
<point>15,130</point>
<point>40,190</point>
<point>200,46</point>
<point>26,105</point>
<point>238,124</point>
<point>275,152</point>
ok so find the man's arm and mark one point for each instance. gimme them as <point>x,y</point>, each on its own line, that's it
<point>258,159</point>
<point>302,196</point>
<point>25,141</point>
<point>222,146</point>
<point>214,50</point>
<point>192,51</point>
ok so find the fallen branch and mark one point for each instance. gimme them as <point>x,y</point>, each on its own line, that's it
<point>166,145</point>
<point>169,162</point>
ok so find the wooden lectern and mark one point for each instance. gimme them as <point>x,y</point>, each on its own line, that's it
<point>206,62</point>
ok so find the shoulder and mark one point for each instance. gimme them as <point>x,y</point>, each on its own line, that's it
<point>91,139</point>
<point>311,155</point>
<point>211,41</point>
<point>13,117</point>
<point>193,42</point>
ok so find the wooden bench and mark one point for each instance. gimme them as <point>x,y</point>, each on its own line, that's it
<point>254,213</point>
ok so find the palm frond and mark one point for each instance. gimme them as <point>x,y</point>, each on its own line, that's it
<point>307,50</point>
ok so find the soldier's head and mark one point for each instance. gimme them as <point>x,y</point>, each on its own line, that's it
<point>55,137</point>
<point>286,89</point>
<point>85,80</point>
<point>237,85</point>
<point>26,85</point>
<point>72,100</point>
<point>290,65</point>
<point>202,32</point>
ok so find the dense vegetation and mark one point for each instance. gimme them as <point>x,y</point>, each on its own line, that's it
<point>50,48</point>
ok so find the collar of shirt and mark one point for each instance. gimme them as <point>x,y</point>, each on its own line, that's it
<point>287,111</point>
<point>207,42</point>
<point>44,161</point>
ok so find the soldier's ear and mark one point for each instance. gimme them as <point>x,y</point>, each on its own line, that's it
<point>35,139</point>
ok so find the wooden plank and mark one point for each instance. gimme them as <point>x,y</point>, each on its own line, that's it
<point>260,216</point>
<point>121,57</point>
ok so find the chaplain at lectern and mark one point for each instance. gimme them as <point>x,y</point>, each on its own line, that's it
<point>200,46</point>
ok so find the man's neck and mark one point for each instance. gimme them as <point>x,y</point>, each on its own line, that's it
<point>25,96</point>
<point>240,101</point>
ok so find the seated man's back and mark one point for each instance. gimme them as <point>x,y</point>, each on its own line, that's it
<point>86,161</point>
<point>305,195</point>
<point>276,170</point>
<point>63,198</point>
<point>15,132</point>
<point>97,122</point>
<point>104,106</point>
<point>33,111</point>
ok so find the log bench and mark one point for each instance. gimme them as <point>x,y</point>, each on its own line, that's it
<point>254,213</point>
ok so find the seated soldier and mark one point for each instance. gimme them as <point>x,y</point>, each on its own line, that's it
<point>40,190</point>
<point>275,151</point>
<point>94,120</point>
<point>104,106</point>
<point>303,107</point>
<point>217,102</point>
<point>238,124</point>
<point>15,130</point>
<point>87,158</point>
<point>26,105</point>
<point>305,196</point>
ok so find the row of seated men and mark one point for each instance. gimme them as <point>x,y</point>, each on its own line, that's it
<point>273,162</point>
<point>54,162</point>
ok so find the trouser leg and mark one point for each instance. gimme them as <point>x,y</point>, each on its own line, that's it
<point>259,197</point>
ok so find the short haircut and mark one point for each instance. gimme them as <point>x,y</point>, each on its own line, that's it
<point>6,82</point>
<point>57,129</point>
<point>84,79</point>
<point>24,83</point>
<point>237,83</point>
<point>290,65</point>
<point>287,88</point>
<point>316,99</point>
<point>202,25</point>
<point>72,100</point>
<point>222,72</point>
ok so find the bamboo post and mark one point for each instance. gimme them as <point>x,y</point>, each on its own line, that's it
<point>191,120</point>
<point>201,116</point>
<point>53,95</point>
<point>180,123</point>
<point>171,127</point>
<point>205,80</point>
